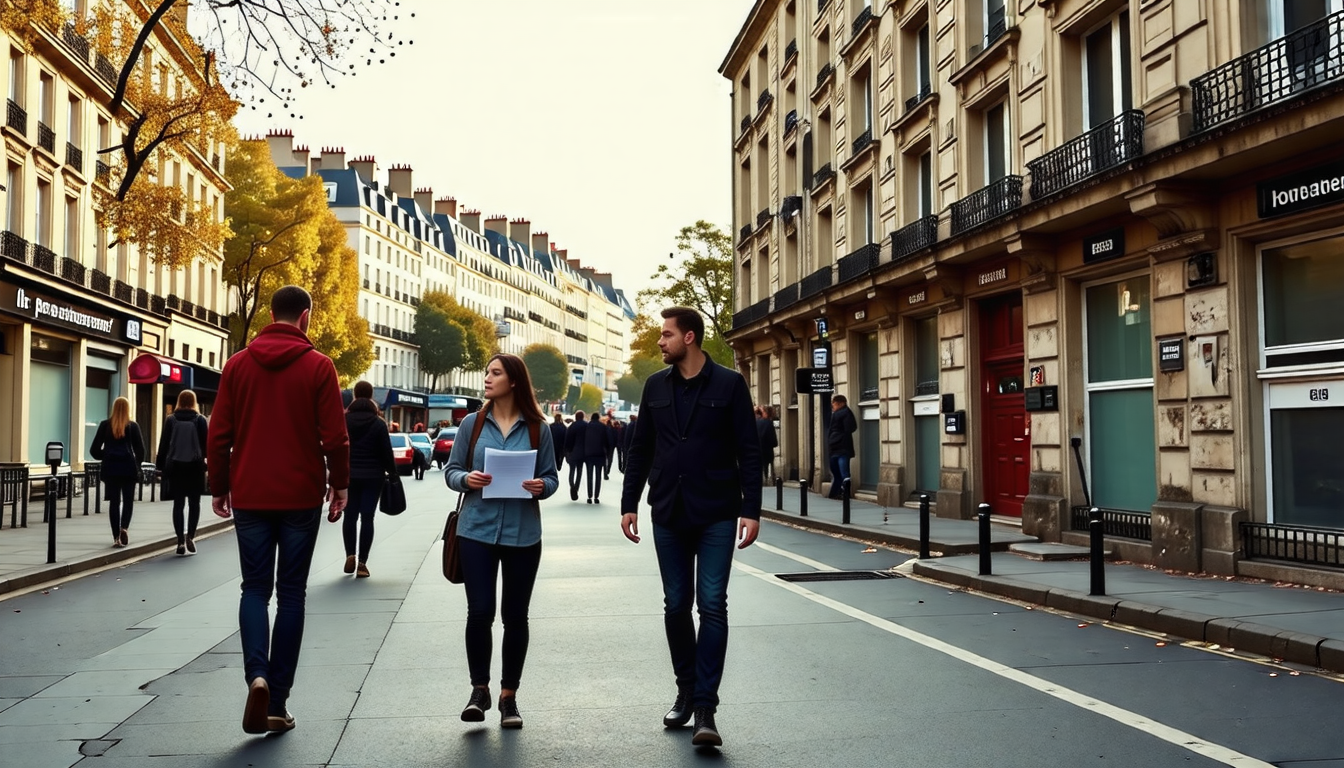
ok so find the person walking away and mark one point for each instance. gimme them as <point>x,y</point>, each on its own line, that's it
<point>620,444</point>
<point>627,437</point>
<point>575,445</point>
<point>840,443</point>
<point>500,535</point>
<point>278,448</point>
<point>613,437</point>
<point>696,447</point>
<point>119,446</point>
<point>181,460</point>
<point>595,440</point>
<point>765,433</point>
<point>371,462</point>
<point>558,439</point>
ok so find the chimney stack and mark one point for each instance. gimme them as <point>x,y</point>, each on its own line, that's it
<point>520,230</point>
<point>539,243</point>
<point>333,159</point>
<point>365,166</point>
<point>424,197</point>
<point>498,224</point>
<point>471,219</point>
<point>447,206</point>
<point>281,145</point>
<point>399,180</point>
<point>301,156</point>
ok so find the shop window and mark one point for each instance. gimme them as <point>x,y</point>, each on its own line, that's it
<point>1303,287</point>
<point>1119,389</point>
<point>49,396</point>
<point>870,426</point>
<point>101,387</point>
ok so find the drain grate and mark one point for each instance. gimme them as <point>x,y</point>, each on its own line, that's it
<point>837,576</point>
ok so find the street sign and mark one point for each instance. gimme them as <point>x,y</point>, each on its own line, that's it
<point>813,381</point>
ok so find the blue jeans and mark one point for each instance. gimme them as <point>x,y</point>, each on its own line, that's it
<point>481,565</point>
<point>839,474</point>
<point>261,535</point>
<point>695,564</point>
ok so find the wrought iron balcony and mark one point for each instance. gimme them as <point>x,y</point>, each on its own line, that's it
<point>74,158</point>
<point>123,292</point>
<point>763,100</point>
<point>102,172</point>
<point>158,305</point>
<point>744,234</point>
<point>105,70</point>
<point>763,218</point>
<point>998,25</point>
<point>751,314</point>
<point>366,283</point>
<point>44,258</point>
<point>745,125</point>
<point>1306,58</point>
<point>824,73</point>
<point>46,137</point>
<point>790,121</point>
<point>101,282</point>
<point>815,283</point>
<point>986,203</point>
<point>859,262</point>
<point>77,44</point>
<point>821,5</point>
<point>862,142</point>
<point>188,309</point>
<point>72,271</point>
<point>918,234</point>
<point>13,246</point>
<point>202,313</point>
<point>16,117</point>
<point>786,296</point>
<point>791,49</point>
<point>212,317</point>
<point>824,174</point>
<point>514,314</point>
<point>1112,143</point>
<point>925,91</point>
<point>861,21</point>
<point>790,205</point>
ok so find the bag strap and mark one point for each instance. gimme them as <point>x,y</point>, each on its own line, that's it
<point>533,433</point>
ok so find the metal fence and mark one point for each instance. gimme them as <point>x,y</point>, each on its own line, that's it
<point>986,203</point>
<point>1115,522</point>
<point>1112,143</point>
<point>1293,543</point>
<point>919,234</point>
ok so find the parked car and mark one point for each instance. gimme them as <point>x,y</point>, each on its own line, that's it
<point>424,445</point>
<point>443,445</point>
<point>402,452</point>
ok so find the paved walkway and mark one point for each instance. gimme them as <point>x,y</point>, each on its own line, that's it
<point>1299,625</point>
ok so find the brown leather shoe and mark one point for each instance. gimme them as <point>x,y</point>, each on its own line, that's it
<point>362,572</point>
<point>280,723</point>
<point>349,563</point>
<point>123,538</point>
<point>258,702</point>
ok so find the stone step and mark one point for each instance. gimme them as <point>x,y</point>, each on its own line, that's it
<point>1052,551</point>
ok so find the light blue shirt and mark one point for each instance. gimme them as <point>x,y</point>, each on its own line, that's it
<point>510,522</point>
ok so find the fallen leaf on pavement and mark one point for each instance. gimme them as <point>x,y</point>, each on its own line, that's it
<point>1161,643</point>
<point>869,550</point>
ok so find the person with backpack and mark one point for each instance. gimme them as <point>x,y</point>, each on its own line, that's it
<point>120,448</point>
<point>500,534</point>
<point>371,463</point>
<point>181,460</point>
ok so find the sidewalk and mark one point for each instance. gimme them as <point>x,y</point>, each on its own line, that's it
<point>1295,624</point>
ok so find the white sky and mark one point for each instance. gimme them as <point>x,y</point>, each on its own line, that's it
<point>603,122</point>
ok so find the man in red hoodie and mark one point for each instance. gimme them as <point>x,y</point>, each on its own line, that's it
<point>277,449</point>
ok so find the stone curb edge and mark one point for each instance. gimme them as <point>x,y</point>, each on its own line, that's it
<point>40,574</point>
<point>876,534</point>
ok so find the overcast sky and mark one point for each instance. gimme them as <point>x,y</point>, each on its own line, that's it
<point>603,122</point>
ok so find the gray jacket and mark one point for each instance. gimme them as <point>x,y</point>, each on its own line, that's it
<point>510,522</point>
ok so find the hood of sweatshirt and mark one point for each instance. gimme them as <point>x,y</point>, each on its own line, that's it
<point>278,345</point>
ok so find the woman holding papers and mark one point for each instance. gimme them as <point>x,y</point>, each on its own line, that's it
<point>500,528</point>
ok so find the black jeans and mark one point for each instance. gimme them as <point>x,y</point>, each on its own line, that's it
<point>481,564</point>
<point>188,483</point>
<point>360,509</point>
<point>575,476</point>
<point>695,564</point>
<point>120,501</point>
<point>594,477</point>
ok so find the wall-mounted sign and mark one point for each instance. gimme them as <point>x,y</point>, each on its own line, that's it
<point>813,381</point>
<point>156,369</point>
<point>995,276</point>
<point>1105,245</point>
<point>1307,394</point>
<point>45,309</point>
<point>821,357</point>
<point>1171,354</point>
<point>823,328</point>
<point>954,423</point>
<point>1041,398</point>
<point>1316,186</point>
<point>925,407</point>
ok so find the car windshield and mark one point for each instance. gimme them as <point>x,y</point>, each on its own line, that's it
<point>400,441</point>
<point>420,438</point>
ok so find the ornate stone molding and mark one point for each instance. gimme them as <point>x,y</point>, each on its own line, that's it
<point>1037,256</point>
<point>1173,209</point>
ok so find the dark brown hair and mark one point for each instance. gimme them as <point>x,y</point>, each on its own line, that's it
<point>524,397</point>
<point>687,320</point>
<point>289,303</point>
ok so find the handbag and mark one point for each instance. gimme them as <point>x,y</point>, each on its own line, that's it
<point>393,499</point>
<point>452,556</point>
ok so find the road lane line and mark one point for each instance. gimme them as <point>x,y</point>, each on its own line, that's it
<point>809,562</point>
<point>1224,755</point>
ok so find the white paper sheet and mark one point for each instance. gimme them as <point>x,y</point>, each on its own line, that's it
<point>507,471</point>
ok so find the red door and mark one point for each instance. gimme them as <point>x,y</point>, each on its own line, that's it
<point>1007,430</point>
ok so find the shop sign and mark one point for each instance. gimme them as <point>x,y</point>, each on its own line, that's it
<point>994,277</point>
<point>1106,245</point>
<point>406,399</point>
<point>42,308</point>
<point>1171,354</point>
<point>813,381</point>
<point>1317,186</point>
<point>1307,394</point>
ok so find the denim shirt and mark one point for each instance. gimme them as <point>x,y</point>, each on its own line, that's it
<point>510,522</point>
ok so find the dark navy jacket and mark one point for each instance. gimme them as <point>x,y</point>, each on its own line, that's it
<point>713,469</point>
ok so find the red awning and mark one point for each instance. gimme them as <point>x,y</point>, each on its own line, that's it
<point>149,368</point>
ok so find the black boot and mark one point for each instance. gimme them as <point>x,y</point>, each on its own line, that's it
<point>680,713</point>
<point>706,735</point>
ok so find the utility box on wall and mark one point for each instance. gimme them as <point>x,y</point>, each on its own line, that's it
<point>954,423</point>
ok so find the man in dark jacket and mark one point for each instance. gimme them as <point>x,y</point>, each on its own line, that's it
<point>574,447</point>
<point>277,448</point>
<point>840,443</point>
<point>696,447</point>
<point>627,435</point>
<point>613,439</point>
<point>595,441</point>
<point>765,433</point>
<point>558,439</point>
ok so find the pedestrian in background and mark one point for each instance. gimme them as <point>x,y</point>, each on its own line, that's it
<point>558,439</point>
<point>278,448</point>
<point>595,440</point>
<point>696,431</point>
<point>765,432</point>
<point>627,437</point>
<point>371,462</point>
<point>500,535</point>
<point>120,447</point>
<point>840,443</point>
<point>181,459</point>
<point>575,445</point>
<point>613,437</point>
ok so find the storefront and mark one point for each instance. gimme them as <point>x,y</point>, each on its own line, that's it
<point>406,409</point>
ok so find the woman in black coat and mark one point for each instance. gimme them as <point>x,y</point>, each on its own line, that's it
<point>371,463</point>
<point>181,459</point>
<point>595,441</point>
<point>120,448</point>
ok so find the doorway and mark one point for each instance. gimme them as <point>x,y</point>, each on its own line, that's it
<point>1007,430</point>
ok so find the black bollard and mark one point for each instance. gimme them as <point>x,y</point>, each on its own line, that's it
<point>1098,554</point>
<point>779,493</point>
<point>985,569</point>
<point>802,497</point>
<point>844,502</point>
<point>49,502</point>
<point>924,526</point>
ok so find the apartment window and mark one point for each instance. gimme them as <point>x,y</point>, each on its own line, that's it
<point>862,85</point>
<point>995,20</point>
<point>46,94</point>
<point>1287,16</point>
<point>16,89</point>
<point>72,229</point>
<point>923,80</point>
<point>14,198</point>
<point>100,252</point>
<point>1118,371</point>
<point>996,143</point>
<point>186,352</point>
<point>73,125</point>
<point>1106,65</point>
<point>926,184</point>
<point>924,406</point>
<point>42,219</point>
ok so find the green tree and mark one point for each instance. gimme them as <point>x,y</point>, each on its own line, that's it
<point>332,277</point>
<point>644,333</point>
<point>631,385</point>
<point>702,279</point>
<point>443,343</point>
<point>478,340</point>
<point>590,399</point>
<point>549,371</point>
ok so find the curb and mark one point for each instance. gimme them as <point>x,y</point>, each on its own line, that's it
<point>40,574</point>
<point>879,535</point>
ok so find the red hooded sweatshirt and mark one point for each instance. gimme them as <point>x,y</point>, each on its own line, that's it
<point>277,432</point>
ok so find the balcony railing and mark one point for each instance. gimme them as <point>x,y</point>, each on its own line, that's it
<point>1112,143</point>
<point>815,283</point>
<point>105,70</point>
<point>100,282</point>
<point>751,314</point>
<point>77,44</point>
<point>744,234</point>
<point>986,203</point>
<point>102,172</point>
<point>16,117</point>
<point>790,205</point>
<point>786,296</point>
<point>925,91</point>
<point>791,49</point>
<point>763,218</point>
<point>859,262</point>
<point>1115,522</point>
<point>174,302</point>
<point>825,72</point>
<point>144,301</point>
<point>790,121</point>
<point>72,271</point>
<point>44,258</point>
<point>74,157</point>
<point>123,292</point>
<point>1294,544</point>
<point>46,137</point>
<point>13,247</point>
<point>1306,58</point>
<point>188,309</point>
<point>862,142</point>
<point>824,174</point>
<point>998,24</point>
<point>860,21</point>
<point>158,305</point>
<point>920,233</point>
<point>745,125</point>
<point>763,100</point>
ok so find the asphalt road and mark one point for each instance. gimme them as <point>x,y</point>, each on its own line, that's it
<point>140,666</point>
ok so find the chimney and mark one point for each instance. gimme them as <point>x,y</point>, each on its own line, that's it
<point>301,155</point>
<point>424,197</point>
<point>365,166</point>
<point>333,159</point>
<point>498,224</point>
<point>281,144</point>
<point>539,243</point>
<point>399,180</point>
<point>471,219</point>
<point>520,231</point>
<point>447,206</point>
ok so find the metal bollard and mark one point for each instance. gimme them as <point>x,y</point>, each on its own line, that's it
<point>844,502</point>
<point>779,493</point>
<point>802,497</point>
<point>924,526</point>
<point>1098,553</point>
<point>985,569</point>
<point>49,502</point>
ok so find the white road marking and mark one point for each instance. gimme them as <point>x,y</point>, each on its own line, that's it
<point>809,562</point>
<point>1199,746</point>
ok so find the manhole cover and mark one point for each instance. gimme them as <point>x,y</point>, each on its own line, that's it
<point>837,576</point>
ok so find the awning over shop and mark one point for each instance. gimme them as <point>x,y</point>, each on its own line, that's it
<point>150,368</point>
<point>392,398</point>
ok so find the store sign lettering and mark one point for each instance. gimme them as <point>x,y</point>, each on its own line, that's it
<point>916,298</point>
<point>993,277</point>
<point>1314,187</point>
<point>1318,395</point>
